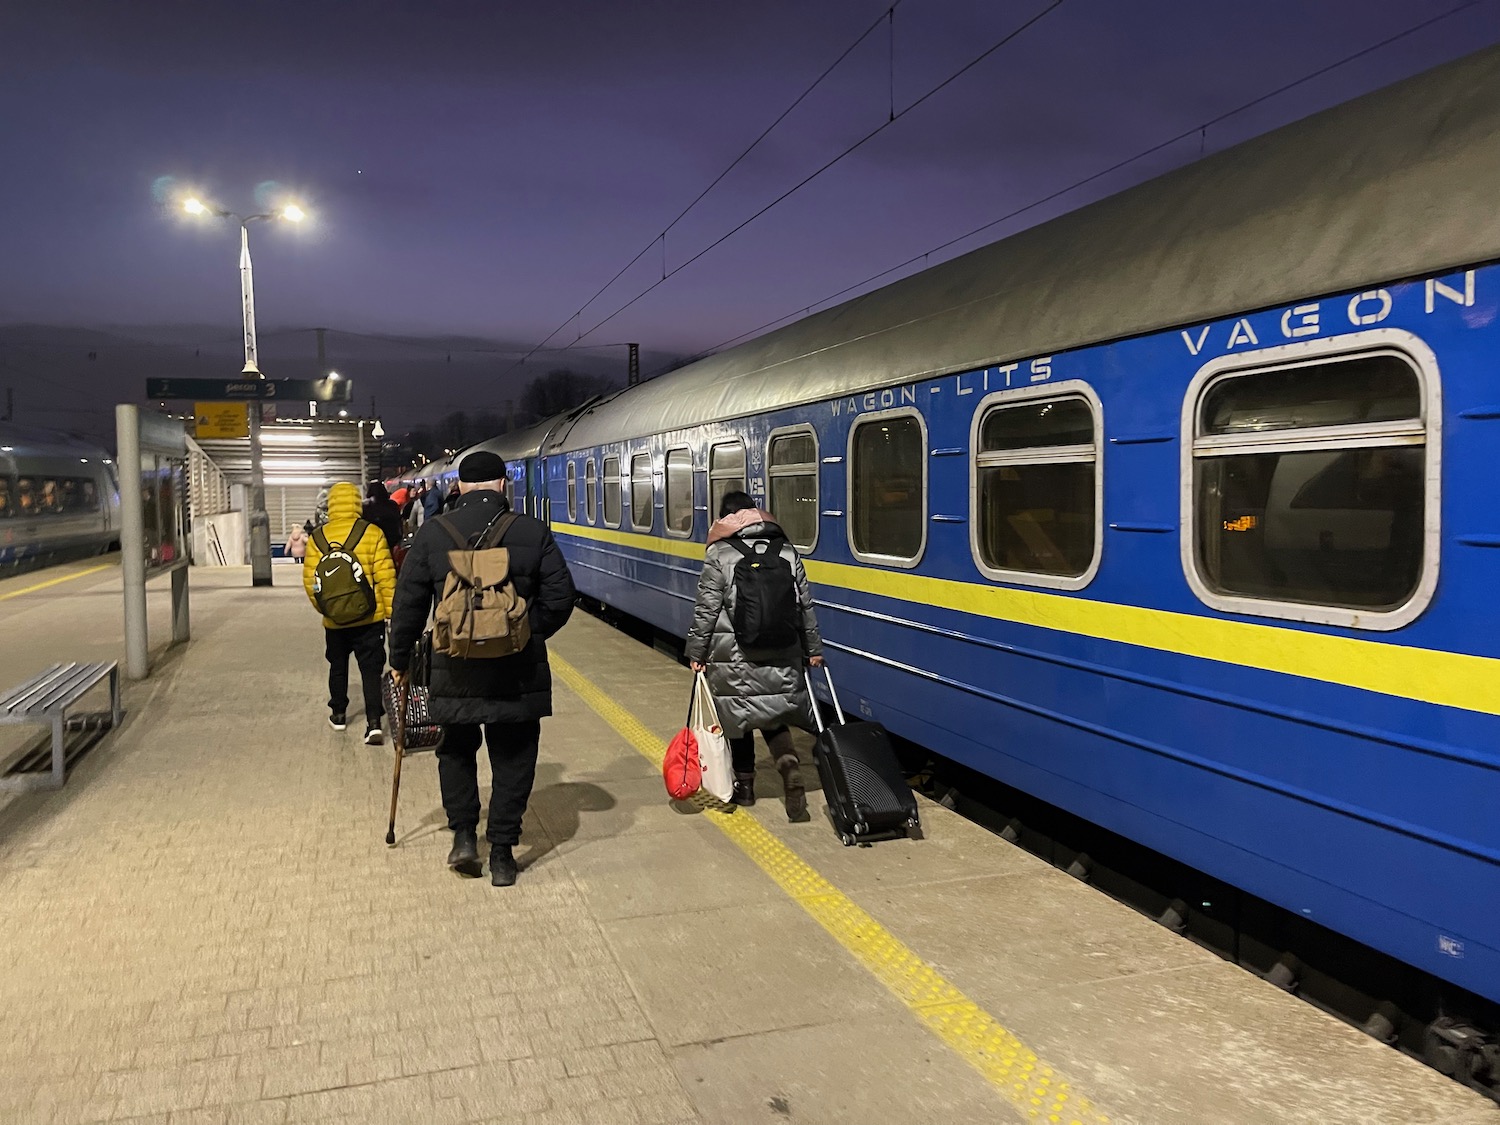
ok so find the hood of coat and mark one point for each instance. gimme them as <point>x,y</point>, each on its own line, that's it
<point>757,522</point>
<point>344,503</point>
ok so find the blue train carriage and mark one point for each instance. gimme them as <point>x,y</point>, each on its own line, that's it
<point>1173,511</point>
<point>59,498</point>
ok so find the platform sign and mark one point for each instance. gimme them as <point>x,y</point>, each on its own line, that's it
<point>221,420</point>
<point>294,390</point>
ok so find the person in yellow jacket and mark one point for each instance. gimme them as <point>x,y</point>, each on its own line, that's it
<point>374,580</point>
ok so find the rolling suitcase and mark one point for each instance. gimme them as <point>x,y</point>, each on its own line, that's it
<point>863,784</point>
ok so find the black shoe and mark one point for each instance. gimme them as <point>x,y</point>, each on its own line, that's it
<point>336,720</point>
<point>464,858</point>
<point>796,806</point>
<point>374,736</point>
<point>744,790</point>
<point>502,866</point>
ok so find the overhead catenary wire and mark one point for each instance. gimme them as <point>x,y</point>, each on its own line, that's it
<point>661,238</point>
<point>850,150</point>
<point>1200,129</point>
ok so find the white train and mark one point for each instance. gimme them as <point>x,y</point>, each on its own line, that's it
<point>59,498</point>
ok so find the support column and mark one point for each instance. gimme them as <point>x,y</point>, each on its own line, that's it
<point>132,540</point>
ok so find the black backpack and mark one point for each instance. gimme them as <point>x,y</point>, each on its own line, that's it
<point>341,587</point>
<point>766,616</point>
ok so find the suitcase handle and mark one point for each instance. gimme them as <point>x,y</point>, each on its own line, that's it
<point>834,695</point>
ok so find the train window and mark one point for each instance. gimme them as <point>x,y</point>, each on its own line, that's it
<point>7,509</point>
<point>792,465</point>
<point>1310,487</point>
<point>679,492</point>
<point>78,494</point>
<point>591,490</point>
<point>612,492</point>
<point>572,491</point>
<point>726,473</point>
<point>888,488</point>
<point>26,496</point>
<point>1035,506</point>
<point>641,511</point>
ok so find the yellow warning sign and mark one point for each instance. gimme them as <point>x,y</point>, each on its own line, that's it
<point>221,420</point>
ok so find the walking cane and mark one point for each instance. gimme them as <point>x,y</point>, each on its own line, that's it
<point>400,740</point>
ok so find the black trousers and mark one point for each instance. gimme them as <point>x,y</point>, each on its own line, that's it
<point>513,750</point>
<point>367,644</point>
<point>742,749</point>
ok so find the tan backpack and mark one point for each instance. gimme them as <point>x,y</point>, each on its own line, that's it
<point>480,615</point>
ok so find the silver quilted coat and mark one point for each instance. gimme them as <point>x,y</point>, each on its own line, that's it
<point>750,696</point>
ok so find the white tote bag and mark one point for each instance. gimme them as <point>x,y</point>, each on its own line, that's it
<point>713,747</point>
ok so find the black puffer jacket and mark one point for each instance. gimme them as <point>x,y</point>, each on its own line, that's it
<point>511,689</point>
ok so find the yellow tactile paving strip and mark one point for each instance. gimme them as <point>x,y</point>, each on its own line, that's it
<point>56,581</point>
<point>1022,1079</point>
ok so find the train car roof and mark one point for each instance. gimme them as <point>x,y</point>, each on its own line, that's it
<point>34,441</point>
<point>1395,184</point>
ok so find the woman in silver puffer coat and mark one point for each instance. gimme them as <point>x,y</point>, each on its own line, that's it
<point>769,693</point>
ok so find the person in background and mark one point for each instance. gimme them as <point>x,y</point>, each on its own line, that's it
<point>296,544</point>
<point>764,692</point>
<point>506,698</point>
<point>364,639</point>
<point>382,511</point>
<point>432,500</point>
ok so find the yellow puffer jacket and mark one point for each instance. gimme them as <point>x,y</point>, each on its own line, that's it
<point>345,506</point>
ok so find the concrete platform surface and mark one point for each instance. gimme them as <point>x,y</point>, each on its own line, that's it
<point>205,927</point>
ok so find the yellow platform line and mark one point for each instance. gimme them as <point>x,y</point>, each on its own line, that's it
<point>55,581</point>
<point>1036,1089</point>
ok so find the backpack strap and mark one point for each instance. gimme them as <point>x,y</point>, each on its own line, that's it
<point>458,536</point>
<point>494,535</point>
<point>356,533</point>
<point>773,543</point>
<point>491,536</point>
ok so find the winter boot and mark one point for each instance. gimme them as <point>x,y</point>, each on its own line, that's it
<point>744,789</point>
<point>502,866</point>
<point>791,780</point>
<point>464,858</point>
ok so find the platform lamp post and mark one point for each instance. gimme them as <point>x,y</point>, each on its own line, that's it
<point>260,522</point>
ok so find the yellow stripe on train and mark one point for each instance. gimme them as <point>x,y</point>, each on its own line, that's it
<point>1450,679</point>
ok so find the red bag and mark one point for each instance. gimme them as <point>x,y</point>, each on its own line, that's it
<point>681,769</point>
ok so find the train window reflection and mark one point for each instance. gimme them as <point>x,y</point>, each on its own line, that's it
<point>1037,466</point>
<point>572,491</point>
<point>612,492</point>
<point>726,473</point>
<point>1309,484</point>
<point>887,488</point>
<point>792,465</point>
<point>591,490</point>
<point>679,492</point>
<point>641,493</point>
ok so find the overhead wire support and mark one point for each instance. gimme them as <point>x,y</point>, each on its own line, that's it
<point>1201,130</point>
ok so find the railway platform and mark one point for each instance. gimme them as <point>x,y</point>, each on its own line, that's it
<point>204,927</point>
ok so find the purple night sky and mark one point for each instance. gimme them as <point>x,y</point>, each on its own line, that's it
<point>479,169</point>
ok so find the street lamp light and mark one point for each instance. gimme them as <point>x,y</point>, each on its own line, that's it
<point>260,522</point>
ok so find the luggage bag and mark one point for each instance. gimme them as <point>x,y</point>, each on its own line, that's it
<point>866,791</point>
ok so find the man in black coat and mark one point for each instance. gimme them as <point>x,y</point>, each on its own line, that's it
<point>508,696</point>
<point>382,511</point>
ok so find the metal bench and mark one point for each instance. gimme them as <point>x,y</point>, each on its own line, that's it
<point>48,699</point>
